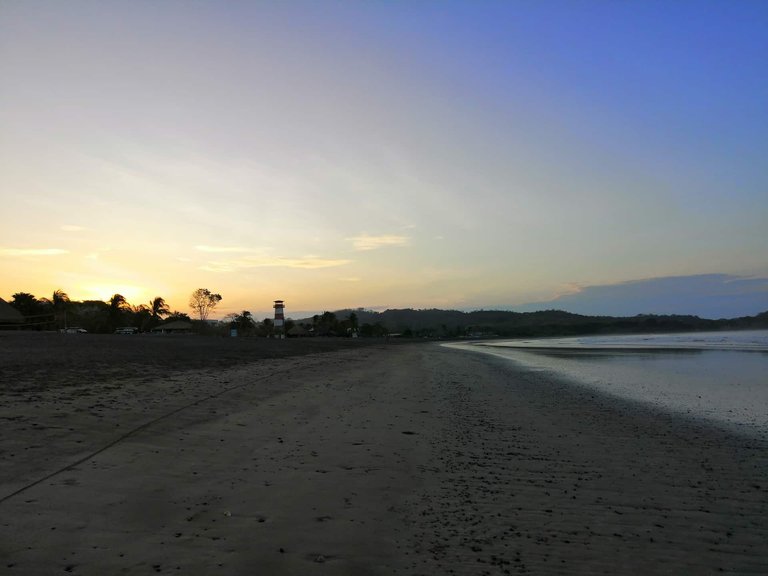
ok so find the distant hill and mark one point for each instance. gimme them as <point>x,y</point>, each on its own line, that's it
<point>454,323</point>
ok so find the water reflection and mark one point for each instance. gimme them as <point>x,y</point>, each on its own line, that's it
<point>727,383</point>
<point>618,354</point>
<point>743,340</point>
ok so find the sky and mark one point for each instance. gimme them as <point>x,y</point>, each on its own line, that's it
<point>422,154</point>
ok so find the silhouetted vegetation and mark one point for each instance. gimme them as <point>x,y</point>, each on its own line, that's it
<point>489,323</point>
<point>60,312</point>
<point>202,302</point>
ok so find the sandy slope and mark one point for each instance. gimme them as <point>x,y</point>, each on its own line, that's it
<point>408,459</point>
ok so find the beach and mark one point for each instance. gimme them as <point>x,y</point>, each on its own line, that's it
<point>189,455</point>
<point>717,376</point>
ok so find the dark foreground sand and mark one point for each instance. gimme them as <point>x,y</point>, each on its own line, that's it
<point>353,459</point>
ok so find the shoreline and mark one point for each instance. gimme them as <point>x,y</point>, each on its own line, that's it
<point>407,459</point>
<point>644,341</point>
<point>720,387</point>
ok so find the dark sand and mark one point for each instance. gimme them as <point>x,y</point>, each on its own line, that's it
<point>186,455</point>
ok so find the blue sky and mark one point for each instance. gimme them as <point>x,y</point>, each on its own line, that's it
<point>380,154</point>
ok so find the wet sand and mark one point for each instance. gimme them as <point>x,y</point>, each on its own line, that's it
<point>354,459</point>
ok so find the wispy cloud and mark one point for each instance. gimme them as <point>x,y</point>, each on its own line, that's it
<point>222,249</point>
<point>306,263</point>
<point>570,289</point>
<point>350,279</point>
<point>21,252</point>
<point>72,228</point>
<point>367,242</point>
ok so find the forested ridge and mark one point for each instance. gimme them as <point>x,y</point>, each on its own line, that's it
<point>454,323</point>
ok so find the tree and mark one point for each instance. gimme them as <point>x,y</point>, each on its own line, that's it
<point>244,322</point>
<point>373,330</point>
<point>178,316</point>
<point>154,312</point>
<point>93,315</point>
<point>203,301</point>
<point>60,299</point>
<point>158,308</point>
<point>267,327</point>
<point>117,305</point>
<point>327,325</point>
<point>141,317</point>
<point>118,302</point>
<point>60,303</point>
<point>25,303</point>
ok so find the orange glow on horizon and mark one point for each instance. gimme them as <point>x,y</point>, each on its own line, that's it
<point>133,294</point>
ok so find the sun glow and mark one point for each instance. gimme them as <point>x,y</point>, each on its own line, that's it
<point>133,294</point>
<point>382,169</point>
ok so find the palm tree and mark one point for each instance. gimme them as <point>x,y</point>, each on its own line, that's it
<point>141,317</point>
<point>60,303</point>
<point>156,310</point>
<point>60,299</point>
<point>117,304</point>
<point>158,307</point>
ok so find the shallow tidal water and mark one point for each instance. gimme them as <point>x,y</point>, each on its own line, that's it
<point>719,376</point>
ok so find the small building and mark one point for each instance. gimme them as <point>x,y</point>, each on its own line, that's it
<point>174,327</point>
<point>297,331</point>
<point>9,315</point>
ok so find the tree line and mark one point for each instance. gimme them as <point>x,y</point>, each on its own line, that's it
<point>61,312</point>
<point>325,324</point>
<point>435,323</point>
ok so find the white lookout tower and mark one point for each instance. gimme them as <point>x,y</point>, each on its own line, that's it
<point>279,318</point>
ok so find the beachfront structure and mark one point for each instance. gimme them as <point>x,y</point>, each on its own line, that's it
<point>297,332</point>
<point>9,315</point>
<point>174,327</point>
<point>279,318</point>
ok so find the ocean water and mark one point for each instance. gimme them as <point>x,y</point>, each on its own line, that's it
<point>718,376</point>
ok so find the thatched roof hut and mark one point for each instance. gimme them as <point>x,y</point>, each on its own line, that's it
<point>9,314</point>
<point>297,331</point>
<point>174,327</point>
